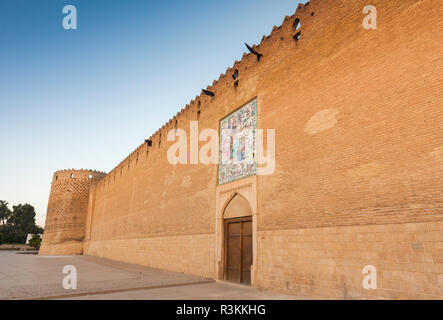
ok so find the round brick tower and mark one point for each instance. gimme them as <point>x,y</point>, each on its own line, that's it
<point>67,211</point>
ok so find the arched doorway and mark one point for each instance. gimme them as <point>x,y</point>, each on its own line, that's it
<point>238,240</point>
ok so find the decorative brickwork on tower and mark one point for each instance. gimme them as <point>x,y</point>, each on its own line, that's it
<point>67,211</point>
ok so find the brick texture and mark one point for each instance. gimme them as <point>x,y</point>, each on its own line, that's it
<point>325,263</point>
<point>67,211</point>
<point>359,162</point>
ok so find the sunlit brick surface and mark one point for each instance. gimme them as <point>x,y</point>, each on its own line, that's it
<point>359,162</point>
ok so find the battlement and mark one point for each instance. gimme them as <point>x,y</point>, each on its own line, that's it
<point>287,37</point>
<point>290,30</point>
<point>66,174</point>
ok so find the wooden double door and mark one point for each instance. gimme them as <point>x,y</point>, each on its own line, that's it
<point>238,250</point>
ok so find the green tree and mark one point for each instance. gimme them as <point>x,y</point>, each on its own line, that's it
<point>37,230</point>
<point>11,234</point>
<point>35,241</point>
<point>23,218</point>
<point>5,212</point>
<point>16,224</point>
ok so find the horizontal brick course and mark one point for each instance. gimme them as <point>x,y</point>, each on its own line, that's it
<point>313,270</point>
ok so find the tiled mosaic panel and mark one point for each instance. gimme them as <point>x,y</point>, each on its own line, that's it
<point>238,144</point>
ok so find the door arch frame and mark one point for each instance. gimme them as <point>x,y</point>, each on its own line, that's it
<point>247,188</point>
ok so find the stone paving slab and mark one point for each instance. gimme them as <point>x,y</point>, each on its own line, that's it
<point>31,276</point>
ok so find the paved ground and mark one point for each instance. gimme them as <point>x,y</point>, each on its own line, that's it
<point>24,276</point>
<point>206,291</point>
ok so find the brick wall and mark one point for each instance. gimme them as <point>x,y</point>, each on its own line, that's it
<point>359,161</point>
<point>359,173</point>
<point>325,263</point>
<point>171,253</point>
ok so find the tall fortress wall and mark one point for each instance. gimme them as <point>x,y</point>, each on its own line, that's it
<point>359,163</point>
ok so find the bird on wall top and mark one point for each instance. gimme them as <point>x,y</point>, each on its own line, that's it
<point>235,74</point>
<point>208,93</point>
<point>259,55</point>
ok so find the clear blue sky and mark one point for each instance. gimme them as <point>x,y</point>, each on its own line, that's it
<point>87,98</point>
